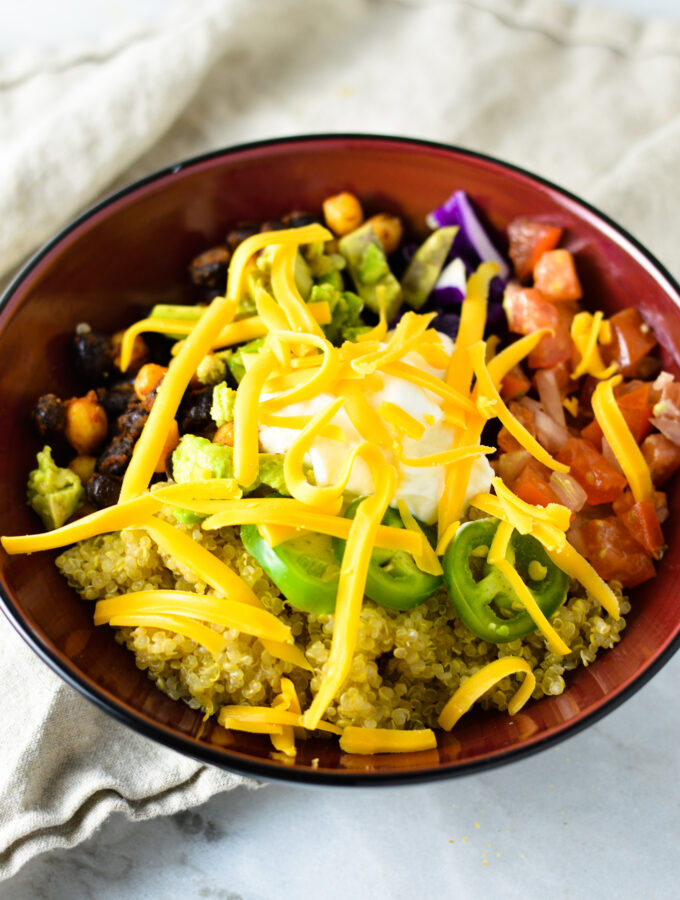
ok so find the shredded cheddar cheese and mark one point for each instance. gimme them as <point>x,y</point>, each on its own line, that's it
<point>615,429</point>
<point>386,740</point>
<point>478,684</point>
<point>585,331</point>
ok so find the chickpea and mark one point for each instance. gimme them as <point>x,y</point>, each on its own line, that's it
<point>225,434</point>
<point>388,229</point>
<point>343,213</point>
<point>86,424</point>
<point>148,377</point>
<point>83,466</point>
<point>171,442</point>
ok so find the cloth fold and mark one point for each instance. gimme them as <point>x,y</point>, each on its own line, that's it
<point>588,98</point>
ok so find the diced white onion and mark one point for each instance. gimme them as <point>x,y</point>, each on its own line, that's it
<point>569,491</point>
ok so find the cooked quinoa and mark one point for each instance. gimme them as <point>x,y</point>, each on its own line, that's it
<point>406,664</point>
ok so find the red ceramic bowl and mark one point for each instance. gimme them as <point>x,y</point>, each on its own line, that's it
<point>132,250</point>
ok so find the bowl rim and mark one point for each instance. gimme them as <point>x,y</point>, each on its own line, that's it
<point>271,771</point>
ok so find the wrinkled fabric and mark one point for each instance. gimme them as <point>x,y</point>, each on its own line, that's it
<point>585,97</point>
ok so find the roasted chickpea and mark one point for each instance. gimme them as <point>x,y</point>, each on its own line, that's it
<point>225,434</point>
<point>148,377</point>
<point>86,424</point>
<point>83,466</point>
<point>171,442</point>
<point>388,229</point>
<point>343,213</point>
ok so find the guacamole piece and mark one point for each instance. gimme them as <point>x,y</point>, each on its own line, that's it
<point>213,368</point>
<point>345,310</point>
<point>54,493</point>
<point>426,265</point>
<point>235,361</point>
<point>223,399</point>
<point>370,270</point>
<point>196,459</point>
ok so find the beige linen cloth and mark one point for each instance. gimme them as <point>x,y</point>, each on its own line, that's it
<point>584,97</point>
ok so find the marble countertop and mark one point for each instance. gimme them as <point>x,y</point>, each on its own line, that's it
<point>594,816</point>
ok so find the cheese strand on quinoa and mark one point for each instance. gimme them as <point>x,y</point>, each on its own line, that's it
<point>478,684</point>
<point>352,581</point>
<point>386,740</point>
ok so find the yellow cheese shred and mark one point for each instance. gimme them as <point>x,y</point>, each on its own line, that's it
<point>246,442</point>
<point>353,571</point>
<point>499,366</point>
<point>290,513</point>
<point>400,420</point>
<point>457,477</point>
<point>204,564</point>
<point>570,561</point>
<point>233,723</point>
<point>427,560</point>
<point>289,653</point>
<point>407,372</point>
<point>585,332</point>
<point>496,557</point>
<point>615,429</point>
<point>478,684</point>
<point>446,538</point>
<point>218,610</point>
<point>207,489</point>
<point>321,382</point>
<point>446,456</point>
<point>286,700</point>
<point>170,392</point>
<point>286,292</point>
<point>273,315</point>
<point>308,234</point>
<point>386,740</point>
<point>206,637</point>
<point>362,415</point>
<point>487,389</point>
<point>409,329</point>
<point>471,327</point>
<point>265,714</point>
<point>113,518</point>
<point>378,332</point>
<point>328,497</point>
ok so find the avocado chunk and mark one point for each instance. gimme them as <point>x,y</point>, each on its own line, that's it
<point>345,308</point>
<point>235,360</point>
<point>54,493</point>
<point>196,459</point>
<point>223,400</point>
<point>426,265</point>
<point>370,270</point>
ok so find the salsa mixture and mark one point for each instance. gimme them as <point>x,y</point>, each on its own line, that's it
<point>363,482</point>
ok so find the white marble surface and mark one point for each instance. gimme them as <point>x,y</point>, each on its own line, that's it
<point>594,817</point>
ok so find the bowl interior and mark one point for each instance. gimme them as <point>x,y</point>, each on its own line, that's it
<point>133,251</point>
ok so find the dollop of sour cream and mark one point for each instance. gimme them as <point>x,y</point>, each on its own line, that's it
<point>420,488</point>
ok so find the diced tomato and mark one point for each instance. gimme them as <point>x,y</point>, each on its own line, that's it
<point>555,276</point>
<point>632,339</point>
<point>558,348</point>
<point>529,240</point>
<point>662,456</point>
<point>527,310</point>
<point>532,485</point>
<point>614,553</point>
<point>636,410</point>
<point>515,384</point>
<point>642,522</point>
<point>601,481</point>
<point>505,440</point>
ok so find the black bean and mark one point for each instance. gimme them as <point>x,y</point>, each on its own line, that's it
<point>116,456</point>
<point>49,416</point>
<point>298,219</point>
<point>115,400</point>
<point>272,225</point>
<point>242,231</point>
<point>209,269</point>
<point>194,413</point>
<point>102,490</point>
<point>131,422</point>
<point>92,355</point>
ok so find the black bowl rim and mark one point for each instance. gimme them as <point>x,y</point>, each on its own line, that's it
<point>269,770</point>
